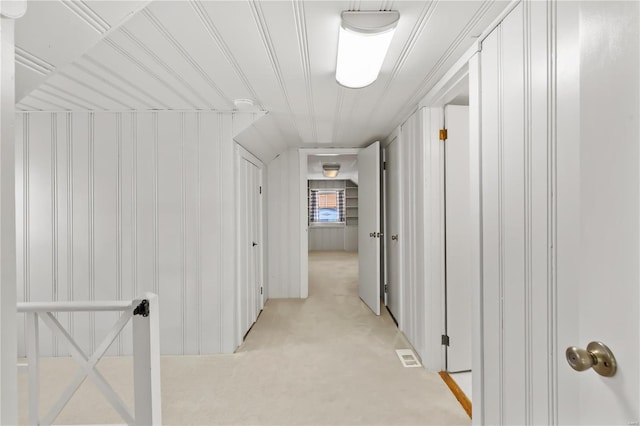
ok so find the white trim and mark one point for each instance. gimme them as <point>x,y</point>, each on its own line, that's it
<point>403,288</point>
<point>243,153</point>
<point>475,195</point>
<point>385,231</point>
<point>460,69</point>
<point>468,67</point>
<point>501,17</point>
<point>74,306</point>
<point>455,74</point>
<point>304,229</point>
<point>8,288</point>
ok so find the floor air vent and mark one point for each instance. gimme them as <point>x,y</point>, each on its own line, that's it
<point>408,358</point>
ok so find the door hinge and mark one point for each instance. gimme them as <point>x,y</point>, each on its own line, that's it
<point>261,190</point>
<point>384,166</point>
<point>260,289</point>
<point>443,134</point>
<point>386,288</point>
<point>445,340</point>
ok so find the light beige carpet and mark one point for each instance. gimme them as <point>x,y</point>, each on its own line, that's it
<point>326,360</point>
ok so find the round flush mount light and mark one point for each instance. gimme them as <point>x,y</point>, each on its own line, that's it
<point>243,104</point>
<point>330,170</point>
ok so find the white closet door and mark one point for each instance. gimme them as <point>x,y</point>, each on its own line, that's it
<point>249,272</point>
<point>458,243</point>
<point>560,212</point>
<point>369,229</point>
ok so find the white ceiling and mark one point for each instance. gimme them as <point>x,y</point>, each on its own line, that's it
<point>348,166</point>
<point>201,55</point>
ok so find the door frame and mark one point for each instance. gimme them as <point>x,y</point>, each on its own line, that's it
<point>304,226</point>
<point>468,66</point>
<point>399,316</point>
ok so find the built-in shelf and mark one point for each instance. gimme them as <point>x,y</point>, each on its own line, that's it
<point>351,195</point>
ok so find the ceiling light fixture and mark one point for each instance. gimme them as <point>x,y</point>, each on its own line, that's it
<point>330,170</point>
<point>243,104</point>
<point>362,46</point>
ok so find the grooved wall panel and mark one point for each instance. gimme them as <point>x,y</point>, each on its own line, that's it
<point>422,234</point>
<point>283,215</point>
<point>327,238</point>
<point>516,207</point>
<point>111,205</point>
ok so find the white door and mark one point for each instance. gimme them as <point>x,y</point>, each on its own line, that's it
<point>599,215</point>
<point>369,230</point>
<point>249,272</point>
<point>254,212</point>
<point>560,126</point>
<point>458,244</point>
<point>392,234</point>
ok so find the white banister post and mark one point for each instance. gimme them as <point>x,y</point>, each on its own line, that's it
<point>146,362</point>
<point>9,11</point>
<point>33,355</point>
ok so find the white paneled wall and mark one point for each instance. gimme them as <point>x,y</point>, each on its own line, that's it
<point>114,204</point>
<point>283,215</point>
<point>327,238</point>
<point>422,234</point>
<point>517,255</point>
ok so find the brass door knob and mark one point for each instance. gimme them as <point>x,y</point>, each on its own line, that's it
<point>597,356</point>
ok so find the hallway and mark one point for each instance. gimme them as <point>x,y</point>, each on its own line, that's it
<point>336,361</point>
<point>324,360</point>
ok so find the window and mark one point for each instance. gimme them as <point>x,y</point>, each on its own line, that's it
<point>326,206</point>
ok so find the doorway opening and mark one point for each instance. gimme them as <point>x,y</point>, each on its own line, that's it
<point>336,211</point>
<point>457,334</point>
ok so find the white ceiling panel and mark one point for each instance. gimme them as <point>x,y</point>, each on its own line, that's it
<point>288,48</point>
<point>202,61</point>
<point>94,76</point>
<point>115,12</point>
<point>123,57</point>
<point>120,77</point>
<point>60,99</point>
<point>83,89</point>
<point>41,103</point>
<point>201,55</point>
<point>150,37</point>
<point>153,64</point>
<point>55,33</point>
<point>61,35</point>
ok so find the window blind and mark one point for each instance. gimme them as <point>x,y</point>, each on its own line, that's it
<point>326,206</point>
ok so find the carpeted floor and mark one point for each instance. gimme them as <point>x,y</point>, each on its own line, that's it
<point>326,360</point>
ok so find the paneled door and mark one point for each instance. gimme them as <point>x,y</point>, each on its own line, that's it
<point>250,299</point>
<point>369,226</point>
<point>560,124</point>
<point>598,202</point>
<point>458,243</point>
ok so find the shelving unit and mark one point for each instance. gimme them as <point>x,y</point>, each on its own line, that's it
<point>351,201</point>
